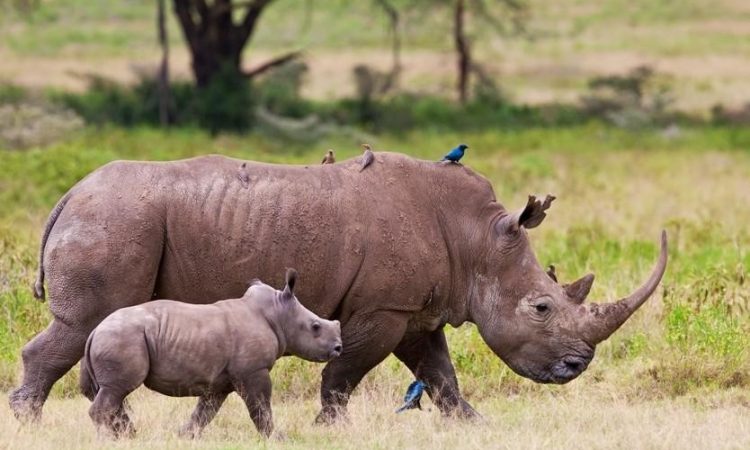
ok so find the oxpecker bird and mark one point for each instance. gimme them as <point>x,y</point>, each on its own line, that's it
<point>367,158</point>
<point>456,154</point>
<point>412,397</point>
<point>329,158</point>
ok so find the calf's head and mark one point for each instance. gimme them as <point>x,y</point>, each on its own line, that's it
<point>307,335</point>
<point>541,329</point>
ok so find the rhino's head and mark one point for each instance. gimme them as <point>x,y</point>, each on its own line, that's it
<point>541,329</point>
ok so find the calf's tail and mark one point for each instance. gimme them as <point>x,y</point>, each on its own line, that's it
<point>89,386</point>
<point>39,284</point>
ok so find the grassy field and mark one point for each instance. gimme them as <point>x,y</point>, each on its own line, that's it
<point>676,376</point>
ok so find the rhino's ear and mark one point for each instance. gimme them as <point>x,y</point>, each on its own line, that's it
<point>529,217</point>
<point>291,280</point>
<point>534,212</point>
<point>579,289</point>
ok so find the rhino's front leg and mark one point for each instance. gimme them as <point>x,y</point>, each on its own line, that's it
<point>367,340</point>
<point>203,414</point>
<point>426,355</point>
<point>255,391</point>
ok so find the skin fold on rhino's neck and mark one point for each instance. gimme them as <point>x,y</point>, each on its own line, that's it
<point>272,309</point>
<point>467,217</point>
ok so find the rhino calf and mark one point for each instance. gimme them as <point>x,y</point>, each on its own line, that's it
<point>209,351</point>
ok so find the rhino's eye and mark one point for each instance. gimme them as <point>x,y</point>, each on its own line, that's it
<point>316,327</point>
<point>541,308</point>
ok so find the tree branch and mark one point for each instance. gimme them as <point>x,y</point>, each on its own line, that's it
<point>275,62</point>
<point>246,28</point>
<point>393,17</point>
<point>189,28</point>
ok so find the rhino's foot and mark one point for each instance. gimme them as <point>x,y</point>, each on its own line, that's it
<point>26,405</point>
<point>330,415</point>
<point>462,411</point>
<point>189,431</point>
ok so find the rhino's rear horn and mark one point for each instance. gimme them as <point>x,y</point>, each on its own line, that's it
<point>602,320</point>
<point>579,289</point>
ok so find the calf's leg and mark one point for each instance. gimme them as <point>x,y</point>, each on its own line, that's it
<point>255,391</point>
<point>108,412</point>
<point>203,414</point>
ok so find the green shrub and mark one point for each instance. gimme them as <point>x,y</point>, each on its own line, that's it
<point>225,104</point>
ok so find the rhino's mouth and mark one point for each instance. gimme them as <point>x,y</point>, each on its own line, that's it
<point>568,368</point>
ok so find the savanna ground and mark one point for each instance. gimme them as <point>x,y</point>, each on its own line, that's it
<point>677,375</point>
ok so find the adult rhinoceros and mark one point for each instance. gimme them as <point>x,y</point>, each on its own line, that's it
<point>394,253</point>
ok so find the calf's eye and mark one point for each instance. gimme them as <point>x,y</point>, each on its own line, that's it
<point>316,326</point>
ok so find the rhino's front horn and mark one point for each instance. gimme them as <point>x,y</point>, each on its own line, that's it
<point>603,319</point>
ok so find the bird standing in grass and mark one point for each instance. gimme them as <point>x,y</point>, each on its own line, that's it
<point>413,396</point>
<point>329,158</point>
<point>456,154</point>
<point>367,158</point>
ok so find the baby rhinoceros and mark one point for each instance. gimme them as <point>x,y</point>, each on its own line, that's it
<point>209,351</point>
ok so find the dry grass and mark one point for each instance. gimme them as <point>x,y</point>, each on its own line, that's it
<point>573,417</point>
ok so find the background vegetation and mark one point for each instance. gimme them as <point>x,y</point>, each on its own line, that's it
<point>628,149</point>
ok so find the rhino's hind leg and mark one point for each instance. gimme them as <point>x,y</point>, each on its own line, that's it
<point>46,358</point>
<point>367,340</point>
<point>109,414</point>
<point>203,414</point>
<point>426,355</point>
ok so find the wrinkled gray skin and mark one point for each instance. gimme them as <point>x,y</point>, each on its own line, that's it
<point>208,351</point>
<point>394,252</point>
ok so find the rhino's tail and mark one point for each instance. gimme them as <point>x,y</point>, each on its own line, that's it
<point>89,386</point>
<point>39,284</point>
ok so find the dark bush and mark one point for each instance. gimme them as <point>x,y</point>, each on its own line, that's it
<point>225,104</point>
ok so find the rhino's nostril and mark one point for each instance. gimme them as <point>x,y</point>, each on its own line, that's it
<point>573,364</point>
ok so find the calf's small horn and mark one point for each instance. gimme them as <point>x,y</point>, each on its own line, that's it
<point>602,320</point>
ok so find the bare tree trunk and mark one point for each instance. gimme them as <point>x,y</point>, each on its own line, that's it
<point>463,50</point>
<point>164,67</point>
<point>393,16</point>
<point>214,39</point>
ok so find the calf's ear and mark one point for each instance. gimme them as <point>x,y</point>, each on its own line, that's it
<point>291,280</point>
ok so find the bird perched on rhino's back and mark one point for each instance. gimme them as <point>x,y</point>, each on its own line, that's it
<point>456,154</point>
<point>329,158</point>
<point>413,396</point>
<point>367,158</point>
